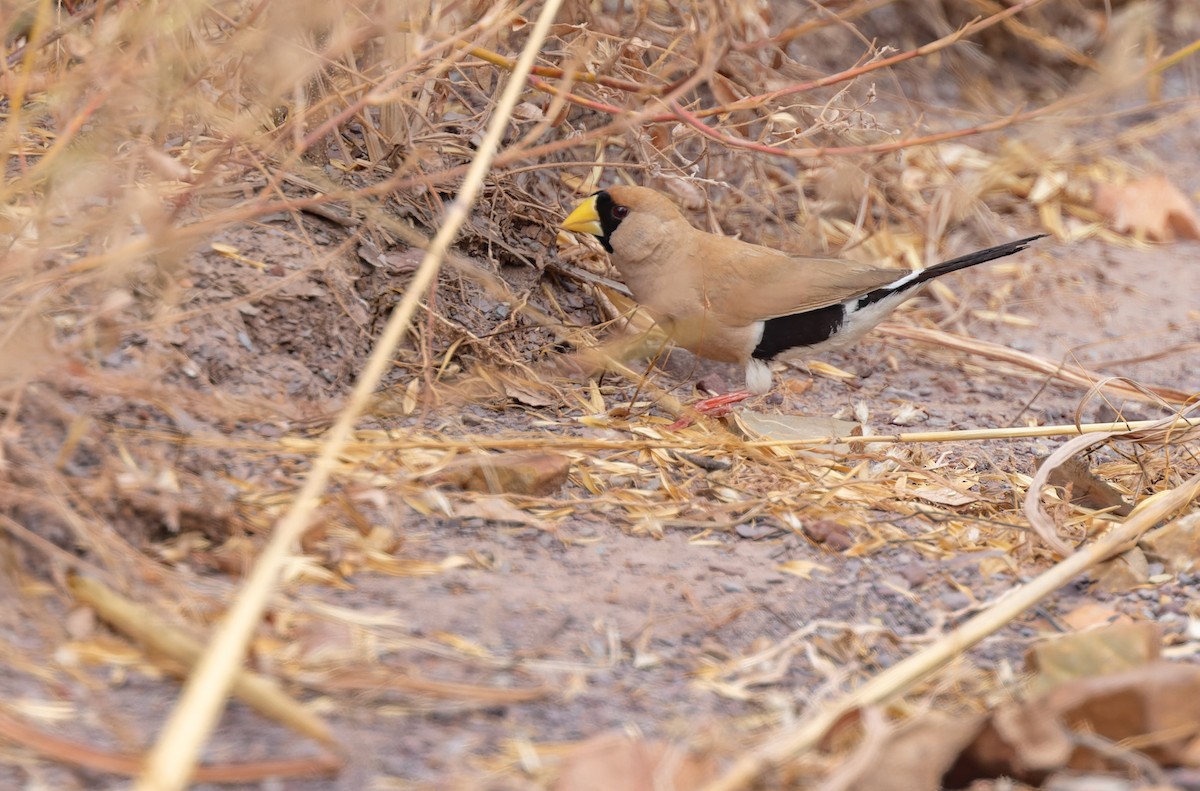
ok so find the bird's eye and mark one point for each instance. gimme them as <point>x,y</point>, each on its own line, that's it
<point>620,212</point>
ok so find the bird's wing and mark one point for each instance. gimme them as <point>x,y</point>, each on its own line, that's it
<point>756,283</point>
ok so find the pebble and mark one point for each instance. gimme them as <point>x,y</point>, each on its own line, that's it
<point>914,574</point>
<point>732,586</point>
<point>955,600</point>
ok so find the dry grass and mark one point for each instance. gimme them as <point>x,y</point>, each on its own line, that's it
<point>136,135</point>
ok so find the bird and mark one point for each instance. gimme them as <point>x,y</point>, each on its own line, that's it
<point>728,300</point>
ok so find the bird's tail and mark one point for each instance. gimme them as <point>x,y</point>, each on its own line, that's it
<point>971,259</point>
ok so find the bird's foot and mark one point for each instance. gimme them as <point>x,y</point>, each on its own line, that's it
<point>717,406</point>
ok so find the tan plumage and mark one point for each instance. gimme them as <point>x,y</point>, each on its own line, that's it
<point>737,302</point>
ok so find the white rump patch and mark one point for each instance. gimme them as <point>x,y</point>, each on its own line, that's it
<point>758,376</point>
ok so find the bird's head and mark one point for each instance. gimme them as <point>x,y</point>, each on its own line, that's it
<point>631,222</point>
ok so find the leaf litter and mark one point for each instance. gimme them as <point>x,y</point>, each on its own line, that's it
<point>182,417</point>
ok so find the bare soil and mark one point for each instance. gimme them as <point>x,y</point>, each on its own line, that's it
<point>611,623</point>
<point>618,623</point>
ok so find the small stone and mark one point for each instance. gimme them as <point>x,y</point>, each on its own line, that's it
<point>955,600</point>
<point>914,574</point>
<point>755,530</point>
<point>829,533</point>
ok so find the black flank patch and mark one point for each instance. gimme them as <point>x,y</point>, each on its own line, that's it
<point>799,329</point>
<point>814,326</point>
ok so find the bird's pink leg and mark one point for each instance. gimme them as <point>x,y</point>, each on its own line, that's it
<point>717,406</point>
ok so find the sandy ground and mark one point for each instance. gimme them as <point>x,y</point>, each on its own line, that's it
<point>619,625</point>
<point>620,628</point>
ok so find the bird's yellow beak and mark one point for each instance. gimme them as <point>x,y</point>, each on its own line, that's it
<point>585,219</point>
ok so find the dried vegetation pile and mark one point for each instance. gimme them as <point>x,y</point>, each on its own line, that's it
<point>210,210</point>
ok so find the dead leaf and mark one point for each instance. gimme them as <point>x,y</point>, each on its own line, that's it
<point>909,414</point>
<point>802,568</point>
<point>1090,614</point>
<point>1084,655</point>
<point>530,393</point>
<point>1026,740</point>
<point>1176,545</point>
<point>1124,572</point>
<point>394,262</point>
<point>513,473</point>
<point>819,368</point>
<point>943,495</point>
<point>1157,704</point>
<point>1149,208</point>
<point>527,112</point>
<point>496,509</point>
<point>791,428</point>
<point>920,753</point>
<point>613,761</point>
<point>1085,487</point>
<point>1154,708</point>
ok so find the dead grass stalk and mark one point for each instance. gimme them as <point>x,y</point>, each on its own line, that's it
<point>171,761</point>
<point>901,676</point>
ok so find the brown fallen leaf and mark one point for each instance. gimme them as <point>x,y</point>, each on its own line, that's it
<point>1087,724</point>
<point>1082,725</point>
<point>1105,694</point>
<point>1085,488</point>
<point>613,761</point>
<point>1176,545</point>
<point>1092,614</point>
<point>792,428</point>
<point>1149,208</point>
<point>943,495</point>
<point>530,393</point>
<point>1123,573</point>
<point>1097,652</point>
<point>804,569</point>
<point>919,753</point>
<point>497,509</point>
<point>1158,705</point>
<point>512,473</point>
<point>1018,740</point>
